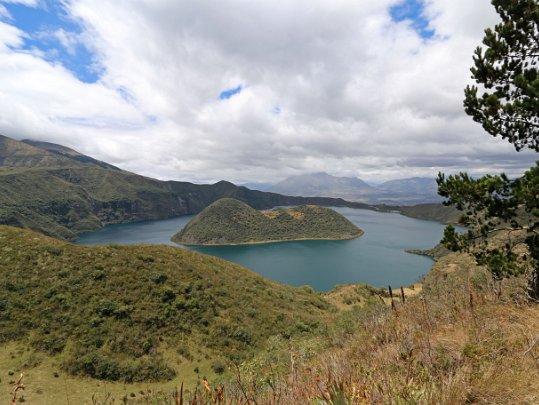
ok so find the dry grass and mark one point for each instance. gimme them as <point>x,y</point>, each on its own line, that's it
<point>459,341</point>
<point>46,384</point>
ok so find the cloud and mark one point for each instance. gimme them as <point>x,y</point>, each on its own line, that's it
<point>325,85</point>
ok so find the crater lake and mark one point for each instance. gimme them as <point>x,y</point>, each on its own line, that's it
<point>377,258</point>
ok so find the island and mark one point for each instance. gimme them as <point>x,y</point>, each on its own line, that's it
<point>231,222</point>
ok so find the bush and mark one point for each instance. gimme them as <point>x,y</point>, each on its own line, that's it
<point>105,367</point>
<point>168,295</point>
<point>218,367</point>
<point>158,278</point>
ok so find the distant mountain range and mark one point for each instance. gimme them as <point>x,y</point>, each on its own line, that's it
<point>407,191</point>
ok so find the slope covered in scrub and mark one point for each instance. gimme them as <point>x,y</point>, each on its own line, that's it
<point>110,312</point>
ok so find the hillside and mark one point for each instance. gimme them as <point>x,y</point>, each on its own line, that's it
<point>464,339</point>
<point>76,303</point>
<point>432,212</point>
<point>460,337</point>
<point>19,154</point>
<point>229,221</point>
<point>60,192</point>
<point>73,155</point>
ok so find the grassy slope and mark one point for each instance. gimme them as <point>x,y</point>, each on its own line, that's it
<point>19,154</point>
<point>76,304</point>
<point>462,339</point>
<point>229,221</point>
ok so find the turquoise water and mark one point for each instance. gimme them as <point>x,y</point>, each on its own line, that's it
<point>376,258</point>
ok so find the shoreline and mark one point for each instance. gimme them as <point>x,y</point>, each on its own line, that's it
<point>268,241</point>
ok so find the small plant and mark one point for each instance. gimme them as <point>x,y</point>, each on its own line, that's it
<point>18,386</point>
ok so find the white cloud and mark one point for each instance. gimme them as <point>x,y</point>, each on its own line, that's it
<point>358,94</point>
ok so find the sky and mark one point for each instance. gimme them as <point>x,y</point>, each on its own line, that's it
<point>251,90</point>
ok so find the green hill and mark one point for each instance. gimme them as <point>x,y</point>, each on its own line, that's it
<point>432,212</point>
<point>229,221</point>
<point>114,312</point>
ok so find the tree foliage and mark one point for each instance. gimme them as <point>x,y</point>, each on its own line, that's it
<point>507,75</point>
<point>494,205</point>
<point>497,207</point>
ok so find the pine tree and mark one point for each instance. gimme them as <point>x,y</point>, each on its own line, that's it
<point>507,73</point>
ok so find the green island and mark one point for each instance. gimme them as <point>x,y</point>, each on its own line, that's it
<point>229,221</point>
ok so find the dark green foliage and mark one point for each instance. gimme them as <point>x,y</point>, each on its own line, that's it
<point>94,364</point>
<point>490,205</point>
<point>231,221</point>
<point>105,312</point>
<point>218,367</point>
<point>507,72</point>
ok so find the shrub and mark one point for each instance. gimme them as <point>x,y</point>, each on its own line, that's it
<point>168,295</point>
<point>218,367</point>
<point>158,278</point>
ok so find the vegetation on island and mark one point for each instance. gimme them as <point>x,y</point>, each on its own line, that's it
<point>229,221</point>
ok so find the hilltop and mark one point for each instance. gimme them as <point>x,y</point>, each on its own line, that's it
<point>229,221</point>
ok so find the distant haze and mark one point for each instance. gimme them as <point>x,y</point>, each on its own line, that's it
<point>251,91</point>
<point>407,191</point>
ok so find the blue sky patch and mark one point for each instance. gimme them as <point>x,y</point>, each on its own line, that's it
<point>413,11</point>
<point>51,31</point>
<point>226,94</point>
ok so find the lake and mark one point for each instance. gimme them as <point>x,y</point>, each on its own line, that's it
<point>377,258</point>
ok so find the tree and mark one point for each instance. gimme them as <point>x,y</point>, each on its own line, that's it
<point>507,71</point>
